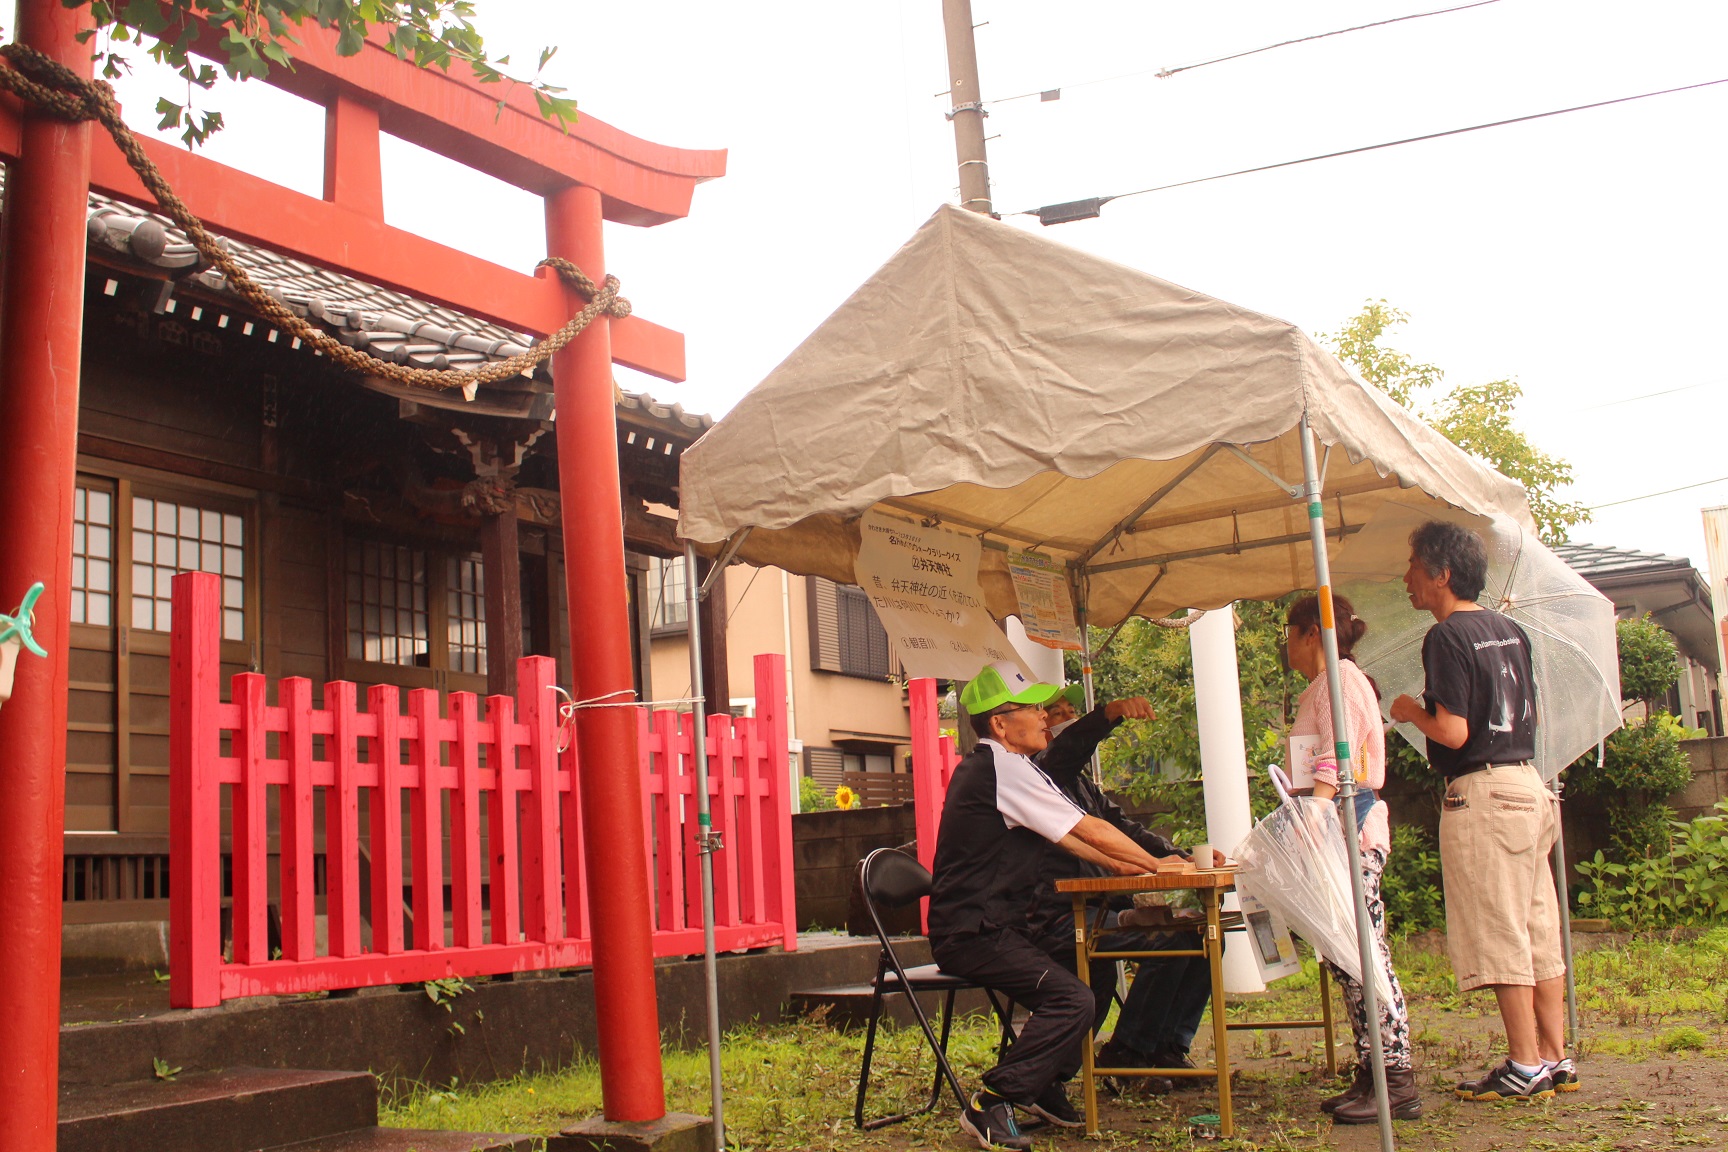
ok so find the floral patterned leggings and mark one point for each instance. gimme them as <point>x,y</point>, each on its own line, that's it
<point>1394,1019</point>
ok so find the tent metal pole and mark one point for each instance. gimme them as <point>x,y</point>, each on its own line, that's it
<point>1086,665</point>
<point>720,561</point>
<point>1365,944</point>
<point>1566,907</point>
<point>707,841</point>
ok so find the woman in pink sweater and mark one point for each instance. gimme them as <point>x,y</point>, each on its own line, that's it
<point>1367,740</point>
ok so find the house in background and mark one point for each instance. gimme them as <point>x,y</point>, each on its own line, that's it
<point>1676,596</point>
<point>846,702</point>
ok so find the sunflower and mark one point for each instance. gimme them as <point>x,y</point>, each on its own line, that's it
<point>845,798</point>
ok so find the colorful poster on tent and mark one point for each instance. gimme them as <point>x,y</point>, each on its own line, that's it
<point>923,583</point>
<point>1046,608</point>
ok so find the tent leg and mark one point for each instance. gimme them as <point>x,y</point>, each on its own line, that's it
<point>1565,895</point>
<point>1365,943</point>
<point>706,846</point>
<point>1086,671</point>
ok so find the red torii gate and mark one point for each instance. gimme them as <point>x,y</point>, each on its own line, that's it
<point>591,174</point>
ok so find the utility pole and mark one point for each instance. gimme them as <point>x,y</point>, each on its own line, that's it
<point>967,111</point>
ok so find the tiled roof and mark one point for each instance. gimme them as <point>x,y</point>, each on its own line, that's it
<point>386,323</point>
<point>1593,561</point>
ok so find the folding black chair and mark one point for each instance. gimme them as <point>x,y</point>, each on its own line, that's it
<point>892,879</point>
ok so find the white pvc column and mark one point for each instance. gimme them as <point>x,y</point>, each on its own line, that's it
<point>1223,764</point>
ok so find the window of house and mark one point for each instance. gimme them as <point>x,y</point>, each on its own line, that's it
<point>666,592</point>
<point>386,595</point>
<point>169,537</point>
<point>845,634</point>
<point>465,625</point>
<point>92,556</point>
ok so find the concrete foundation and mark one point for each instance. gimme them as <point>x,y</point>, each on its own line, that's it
<point>674,1132</point>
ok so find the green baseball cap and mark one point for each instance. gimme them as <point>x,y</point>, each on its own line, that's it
<point>1075,694</point>
<point>1003,683</point>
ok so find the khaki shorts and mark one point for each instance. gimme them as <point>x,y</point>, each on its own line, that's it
<point>1497,828</point>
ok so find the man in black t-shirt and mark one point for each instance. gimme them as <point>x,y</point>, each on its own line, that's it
<point>1498,820</point>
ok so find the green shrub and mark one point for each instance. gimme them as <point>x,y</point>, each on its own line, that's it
<point>1642,766</point>
<point>1683,1039</point>
<point>1649,660</point>
<point>1687,884</point>
<point>812,797</point>
<point>1415,900</point>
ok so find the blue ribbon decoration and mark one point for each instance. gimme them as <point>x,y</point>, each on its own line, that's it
<point>18,624</point>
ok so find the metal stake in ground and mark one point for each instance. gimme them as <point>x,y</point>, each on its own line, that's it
<point>707,840</point>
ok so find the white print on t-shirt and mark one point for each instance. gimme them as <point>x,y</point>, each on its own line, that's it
<point>1027,798</point>
<point>1481,644</point>
<point>1502,718</point>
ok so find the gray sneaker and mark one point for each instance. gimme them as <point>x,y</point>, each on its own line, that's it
<point>1054,1107</point>
<point>1507,1083</point>
<point>994,1127</point>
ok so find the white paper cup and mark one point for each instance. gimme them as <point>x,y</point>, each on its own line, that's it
<point>1202,855</point>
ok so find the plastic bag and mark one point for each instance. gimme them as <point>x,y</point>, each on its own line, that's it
<point>1295,863</point>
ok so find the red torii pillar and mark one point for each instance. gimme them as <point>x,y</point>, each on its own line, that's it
<point>41,327</point>
<point>627,1015</point>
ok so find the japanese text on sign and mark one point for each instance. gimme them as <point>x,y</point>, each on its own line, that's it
<point>1046,609</point>
<point>923,583</point>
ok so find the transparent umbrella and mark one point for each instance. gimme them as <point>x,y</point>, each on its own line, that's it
<point>1570,625</point>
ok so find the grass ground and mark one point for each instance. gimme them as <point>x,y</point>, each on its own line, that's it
<point>1653,1053</point>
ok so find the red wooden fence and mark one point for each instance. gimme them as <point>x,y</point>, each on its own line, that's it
<point>933,759</point>
<point>522,908</point>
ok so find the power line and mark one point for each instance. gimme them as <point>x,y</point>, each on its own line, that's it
<point>1653,495</point>
<point>1648,395</point>
<point>1324,35</point>
<point>1165,73</point>
<point>1395,143</point>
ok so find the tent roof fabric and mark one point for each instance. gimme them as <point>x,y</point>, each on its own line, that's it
<point>1005,385</point>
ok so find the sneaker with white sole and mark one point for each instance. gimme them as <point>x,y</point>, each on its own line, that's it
<point>993,1127</point>
<point>1054,1107</point>
<point>1564,1075</point>
<point>1507,1083</point>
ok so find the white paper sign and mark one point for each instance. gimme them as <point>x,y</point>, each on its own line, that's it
<point>923,583</point>
<point>1305,752</point>
<point>1046,609</point>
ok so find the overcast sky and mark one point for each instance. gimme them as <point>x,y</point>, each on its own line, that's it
<point>1581,254</point>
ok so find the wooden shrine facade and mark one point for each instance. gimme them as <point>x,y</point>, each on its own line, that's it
<point>363,531</point>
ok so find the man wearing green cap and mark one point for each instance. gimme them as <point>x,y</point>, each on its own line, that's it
<point>1000,811</point>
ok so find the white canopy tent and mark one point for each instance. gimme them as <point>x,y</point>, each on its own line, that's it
<point>1159,442</point>
<point>1005,384</point>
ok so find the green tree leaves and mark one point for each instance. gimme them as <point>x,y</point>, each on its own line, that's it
<point>1477,418</point>
<point>256,35</point>
<point>1649,659</point>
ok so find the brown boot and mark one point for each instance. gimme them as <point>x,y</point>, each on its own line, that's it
<point>1360,1084</point>
<point>1401,1094</point>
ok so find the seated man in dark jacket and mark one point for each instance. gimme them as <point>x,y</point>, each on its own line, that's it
<point>1000,811</point>
<point>1164,1005</point>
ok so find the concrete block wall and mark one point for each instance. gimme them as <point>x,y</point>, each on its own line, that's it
<point>1709,778</point>
<point>826,849</point>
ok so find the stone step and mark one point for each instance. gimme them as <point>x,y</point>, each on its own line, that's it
<point>414,1140</point>
<point>846,1006</point>
<point>235,1110</point>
